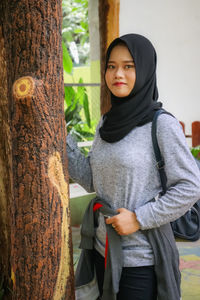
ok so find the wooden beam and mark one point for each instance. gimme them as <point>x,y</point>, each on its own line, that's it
<point>112,20</point>
<point>109,30</point>
<point>195,133</point>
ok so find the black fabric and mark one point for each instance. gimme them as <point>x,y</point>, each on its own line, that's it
<point>139,106</point>
<point>159,158</point>
<point>188,226</point>
<point>99,263</point>
<point>138,283</point>
<point>135,283</point>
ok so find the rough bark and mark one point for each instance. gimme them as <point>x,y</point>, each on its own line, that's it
<point>5,172</point>
<point>109,30</point>
<point>41,250</point>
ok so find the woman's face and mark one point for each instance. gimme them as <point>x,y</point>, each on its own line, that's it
<point>120,73</point>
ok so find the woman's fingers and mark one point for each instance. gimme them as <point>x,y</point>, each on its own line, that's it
<point>125,222</point>
<point>110,220</point>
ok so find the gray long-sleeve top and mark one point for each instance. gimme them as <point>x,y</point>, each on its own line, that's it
<point>124,173</point>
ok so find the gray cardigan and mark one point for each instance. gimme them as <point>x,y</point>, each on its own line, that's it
<point>164,249</point>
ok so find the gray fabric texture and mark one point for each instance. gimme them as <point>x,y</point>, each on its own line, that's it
<point>166,259</point>
<point>125,175</point>
<point>114,258</point>
<point>163,245</point>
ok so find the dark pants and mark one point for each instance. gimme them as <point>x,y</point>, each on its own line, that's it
<point>137,283</point>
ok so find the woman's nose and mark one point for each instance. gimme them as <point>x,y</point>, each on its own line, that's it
<point>119,73</point>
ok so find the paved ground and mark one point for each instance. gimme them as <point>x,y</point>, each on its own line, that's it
<point>190,269</point>
<point>189,265</point>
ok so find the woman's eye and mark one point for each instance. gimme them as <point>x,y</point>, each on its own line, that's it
<point>110,67</point>
<point>129,66</point>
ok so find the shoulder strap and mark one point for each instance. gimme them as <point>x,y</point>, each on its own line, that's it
<point>159,158</point>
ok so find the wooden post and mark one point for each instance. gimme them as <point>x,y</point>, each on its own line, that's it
<point>37,228</point>
<point>195,133</point>
<point>183,126</point>
<point>109,30</point>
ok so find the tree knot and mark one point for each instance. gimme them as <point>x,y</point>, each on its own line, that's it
<point>24,87</point>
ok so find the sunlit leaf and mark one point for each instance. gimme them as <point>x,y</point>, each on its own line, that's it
<point>84,25</point>
<point>69,95</point>
<point>67,61</point>
<point>86,109</point>
<point>78,30</point>
<point>80,92</point>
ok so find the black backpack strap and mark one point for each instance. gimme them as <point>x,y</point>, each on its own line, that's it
<point>159,158</point>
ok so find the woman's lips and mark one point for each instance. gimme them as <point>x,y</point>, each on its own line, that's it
<point>119,83</point>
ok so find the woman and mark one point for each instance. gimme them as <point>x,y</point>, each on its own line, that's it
<point>121,169</point>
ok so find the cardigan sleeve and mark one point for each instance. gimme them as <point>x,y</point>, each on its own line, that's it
<point>78,165</point>
<point>183,177</point>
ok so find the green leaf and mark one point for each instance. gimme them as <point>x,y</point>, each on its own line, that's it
<point>196,152</point>
<point>83,40</point>
<point>84,25</point>
<point>86,109</point>
<point>72,114</point>
<point>69,95</point>
<point>67,36</point>
<point>67,61</point>
<point>80,92</point>
<point>76,102</point>
<point>74,9</point>
<point>78,30</point>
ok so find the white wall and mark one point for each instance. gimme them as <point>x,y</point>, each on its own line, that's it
<point>173,26</point>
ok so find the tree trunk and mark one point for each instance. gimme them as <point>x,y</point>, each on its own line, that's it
<point>5,173</point>
<point>33,152</point>
<point>109,30</point>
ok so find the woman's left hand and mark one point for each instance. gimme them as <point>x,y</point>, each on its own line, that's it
<point>125,222</point>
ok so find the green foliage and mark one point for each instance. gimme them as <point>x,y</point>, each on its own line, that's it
<point>76,34</point>
<point>75,28</point>
<point>77,114</point>
<point>196,152</point>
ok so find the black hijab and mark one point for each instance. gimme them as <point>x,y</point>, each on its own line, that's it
<point>139,106</point>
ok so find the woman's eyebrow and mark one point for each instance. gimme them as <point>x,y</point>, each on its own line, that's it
<point>126,61</point>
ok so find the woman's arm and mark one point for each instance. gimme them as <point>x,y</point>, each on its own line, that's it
<point>182,173</point>
<point>78,165</point>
